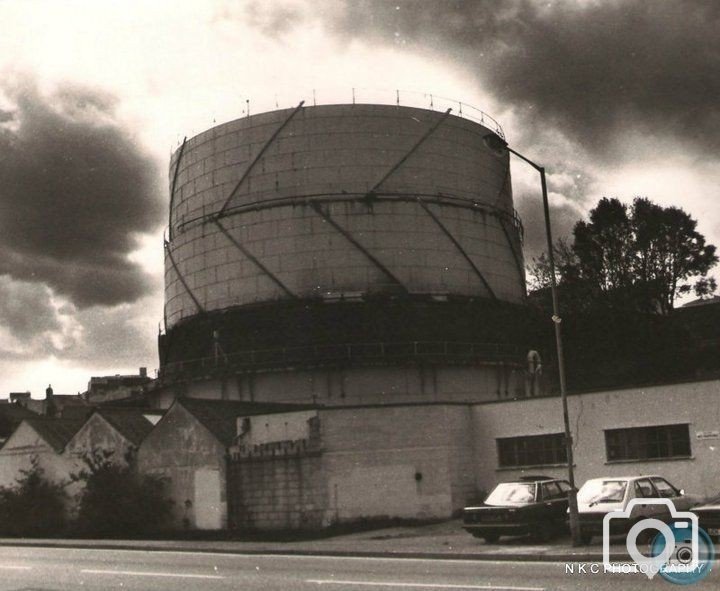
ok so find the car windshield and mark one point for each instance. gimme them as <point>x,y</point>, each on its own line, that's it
<point>512,493</point>
<point>602,491</point>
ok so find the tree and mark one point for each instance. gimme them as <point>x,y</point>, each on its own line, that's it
<point>34,507</point>
<point>117,500</point>
<point>637,257</point>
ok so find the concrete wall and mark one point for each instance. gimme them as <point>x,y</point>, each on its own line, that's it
<point>357,464</point>
<point>404,461</point>
<point>278,486</point>
<point>193,461</point>
<point>358,385</point>
<point>696,404</point>
<point>339,151</point>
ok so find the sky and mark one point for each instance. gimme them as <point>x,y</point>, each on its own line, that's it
<point>615,98</point>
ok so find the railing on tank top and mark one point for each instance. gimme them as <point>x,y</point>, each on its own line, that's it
<point>247,106</point>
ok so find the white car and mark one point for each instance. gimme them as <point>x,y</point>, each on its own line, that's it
<point>600,496</point>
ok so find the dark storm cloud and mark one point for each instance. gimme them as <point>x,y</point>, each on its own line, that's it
<point>26,309</point>
<point>593,69</point>
<point>564,217</point>
<point>36,327</point>
<point>75,191</point>
<point>116,337</point>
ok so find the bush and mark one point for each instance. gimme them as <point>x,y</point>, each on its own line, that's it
<point>35,507</point>
<point>119,502</point>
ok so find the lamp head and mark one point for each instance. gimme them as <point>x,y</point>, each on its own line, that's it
<point>495,143</point>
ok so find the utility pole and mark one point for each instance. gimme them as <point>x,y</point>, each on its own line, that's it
<point>495,142</point>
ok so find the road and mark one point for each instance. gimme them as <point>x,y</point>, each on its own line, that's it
<point>23,568</point>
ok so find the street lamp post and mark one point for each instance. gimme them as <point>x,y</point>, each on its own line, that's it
<point>496,143</point>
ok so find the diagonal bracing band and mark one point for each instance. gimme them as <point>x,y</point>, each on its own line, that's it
<point>172,187</point>
<point>182,279</point>
<point>257,158</point>
<point>409,153</point>
<point>457,245</point>
<point>349,237</point>
<point>254,260</point>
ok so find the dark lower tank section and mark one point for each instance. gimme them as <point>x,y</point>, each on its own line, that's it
<point>462,330</point>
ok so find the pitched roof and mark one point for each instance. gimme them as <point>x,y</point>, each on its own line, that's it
<point>129,422</point>
<point>15,412</point>
<point>55,432</point>
<point>220,416</point>
<point>75,399</point>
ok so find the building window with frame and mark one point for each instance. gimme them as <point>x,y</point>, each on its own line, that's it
<point>648,443</point>
<point>532,450</point>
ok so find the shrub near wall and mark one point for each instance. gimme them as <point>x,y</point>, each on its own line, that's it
<point>119,502</point>
<point>35,507</point>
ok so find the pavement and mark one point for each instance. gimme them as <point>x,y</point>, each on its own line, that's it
<point>442,540</point>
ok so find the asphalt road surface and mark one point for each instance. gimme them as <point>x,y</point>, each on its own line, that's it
<point>71,569</point>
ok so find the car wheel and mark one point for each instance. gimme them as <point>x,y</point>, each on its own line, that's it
<point>585,538</point>
<point>542,533</point>
<point>491,538</point>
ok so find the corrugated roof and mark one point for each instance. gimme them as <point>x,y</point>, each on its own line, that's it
<point>220,416</point>
<point>56,432</point>
<point>129,422</point>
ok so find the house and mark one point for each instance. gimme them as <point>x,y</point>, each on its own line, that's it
<point>42,438</point>
<point>189,447</point>
<point>11,415</point>
<point>119,430</point>
<point>104,389</point>
<point>59,444</point>
<point>69,406</point>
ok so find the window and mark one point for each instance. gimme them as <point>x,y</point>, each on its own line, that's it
<point>564,487</point>
<point>648,443</point>
<point>644,489</point>
<point>550,490</point>
<point>511,493</point>
<point>665,489</point>
<point>534,450</point>
<point>597,491</point>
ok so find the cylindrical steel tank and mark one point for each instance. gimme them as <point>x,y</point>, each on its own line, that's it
<point>339,224</point>
<point>335,155</point>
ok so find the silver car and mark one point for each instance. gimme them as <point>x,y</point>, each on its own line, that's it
<point>600,496</point>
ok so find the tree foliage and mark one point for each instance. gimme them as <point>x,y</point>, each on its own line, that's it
<point>34,507</point>
<point>642,257</point>
<point>117,501</point>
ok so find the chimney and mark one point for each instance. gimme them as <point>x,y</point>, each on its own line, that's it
<point>50,409</point>
<point>143,372</point>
